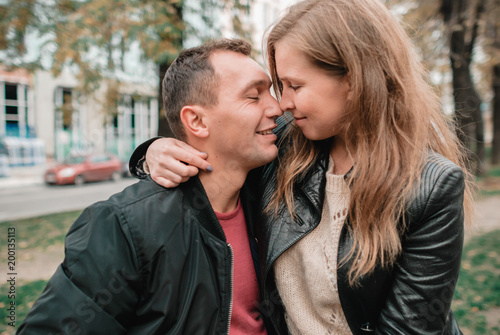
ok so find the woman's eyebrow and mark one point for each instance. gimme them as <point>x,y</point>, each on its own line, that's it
<point>287,78</point>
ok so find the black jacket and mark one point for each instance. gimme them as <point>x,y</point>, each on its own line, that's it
<point>149,260</point>
<point>414,296</point>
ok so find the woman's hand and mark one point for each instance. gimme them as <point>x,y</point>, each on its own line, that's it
<point>171,162</point>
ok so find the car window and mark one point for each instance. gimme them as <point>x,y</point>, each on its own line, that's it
<point>74,159</point>
<point>99,159</point>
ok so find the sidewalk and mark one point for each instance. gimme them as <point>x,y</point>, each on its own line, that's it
<point>23,176</point>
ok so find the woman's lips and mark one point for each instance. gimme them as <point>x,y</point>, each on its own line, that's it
<point>299,120</point>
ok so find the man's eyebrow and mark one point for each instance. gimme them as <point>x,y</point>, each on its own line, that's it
<point>255,83</point>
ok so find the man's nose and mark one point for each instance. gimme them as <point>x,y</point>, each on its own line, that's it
<point>273,110</point>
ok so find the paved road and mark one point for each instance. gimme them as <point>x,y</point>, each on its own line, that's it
<point>34,200</point>
<point>487,216</point>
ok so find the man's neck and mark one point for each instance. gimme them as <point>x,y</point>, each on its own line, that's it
<point>223,186</point>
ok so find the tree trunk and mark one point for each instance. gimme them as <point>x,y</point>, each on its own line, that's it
<point>163,127</point>
<point>467,101</point>
<point>495,159</point>
<point>467,104</point>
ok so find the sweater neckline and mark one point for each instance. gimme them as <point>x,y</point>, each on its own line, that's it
<point>335,183</point>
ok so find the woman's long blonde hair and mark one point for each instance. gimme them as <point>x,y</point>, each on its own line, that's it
<point>391,121</point>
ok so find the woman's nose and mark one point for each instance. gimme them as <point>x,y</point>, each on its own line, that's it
<point>286,103</point>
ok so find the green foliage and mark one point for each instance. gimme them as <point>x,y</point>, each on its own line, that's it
<point>477,294</point>
<point>16,18</point>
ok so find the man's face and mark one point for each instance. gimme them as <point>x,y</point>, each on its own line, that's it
<point>241,123</point>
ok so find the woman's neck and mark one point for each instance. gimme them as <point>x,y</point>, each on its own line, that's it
<point>341,158</point>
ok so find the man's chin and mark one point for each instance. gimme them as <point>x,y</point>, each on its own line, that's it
<point>269,157</point>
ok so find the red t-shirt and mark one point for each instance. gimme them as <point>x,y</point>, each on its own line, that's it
<point>245,317</point>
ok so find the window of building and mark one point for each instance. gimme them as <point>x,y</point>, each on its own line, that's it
<point>67,108</point>
<point>126,107</point>
<point>132,117</point>
<point>14,108</point>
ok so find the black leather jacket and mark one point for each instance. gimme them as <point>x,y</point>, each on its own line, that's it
<point>149,260</point>
<point>414,296</point>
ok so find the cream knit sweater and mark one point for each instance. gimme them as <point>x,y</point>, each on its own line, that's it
<point>306,274</point>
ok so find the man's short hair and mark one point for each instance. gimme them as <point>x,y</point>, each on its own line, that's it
<point>191,79</point>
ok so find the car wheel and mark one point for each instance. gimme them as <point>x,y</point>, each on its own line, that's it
<point>79,180</point>
<point>116,175</point>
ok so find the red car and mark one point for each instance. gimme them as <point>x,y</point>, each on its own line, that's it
<point>81,169</point>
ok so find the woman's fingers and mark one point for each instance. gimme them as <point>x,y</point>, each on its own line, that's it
<point>170,181</point>
<point>172,162</point>
<point>189,155</point>
<point>174,170</point>
<point>164,182</point>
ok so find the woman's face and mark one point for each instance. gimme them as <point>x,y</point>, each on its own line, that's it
<point>316,98</point>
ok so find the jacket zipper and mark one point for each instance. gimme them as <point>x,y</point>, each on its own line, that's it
<point>230,288</point>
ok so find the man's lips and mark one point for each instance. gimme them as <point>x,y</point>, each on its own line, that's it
<point>268,131</point>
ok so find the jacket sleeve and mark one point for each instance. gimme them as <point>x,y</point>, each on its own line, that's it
<point>95,290</point>
<point>424,278</point>
<point>138,158</point>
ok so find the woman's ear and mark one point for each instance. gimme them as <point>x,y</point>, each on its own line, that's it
<point>348,81</point>
<point>193,118</point>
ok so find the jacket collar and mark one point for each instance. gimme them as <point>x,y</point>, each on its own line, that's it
<point>198,201</point>
<point>278,233</point>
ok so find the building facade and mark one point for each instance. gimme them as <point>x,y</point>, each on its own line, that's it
<point>42,116</point>
<point>77,124</point>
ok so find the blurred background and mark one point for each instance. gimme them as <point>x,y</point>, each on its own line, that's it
<point>80,87</point>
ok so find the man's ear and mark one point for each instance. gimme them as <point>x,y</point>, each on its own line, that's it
<point>193,119</point>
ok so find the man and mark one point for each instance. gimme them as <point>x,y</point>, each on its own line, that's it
<point>152,260</point>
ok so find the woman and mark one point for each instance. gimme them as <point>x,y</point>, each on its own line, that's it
<point>365,206</point>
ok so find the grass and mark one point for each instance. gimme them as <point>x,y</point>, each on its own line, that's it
<point>26,295</point>
<point>34,235</point>
<point>477,297</point>
<point>41,232</point>
<point>489,184</point>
